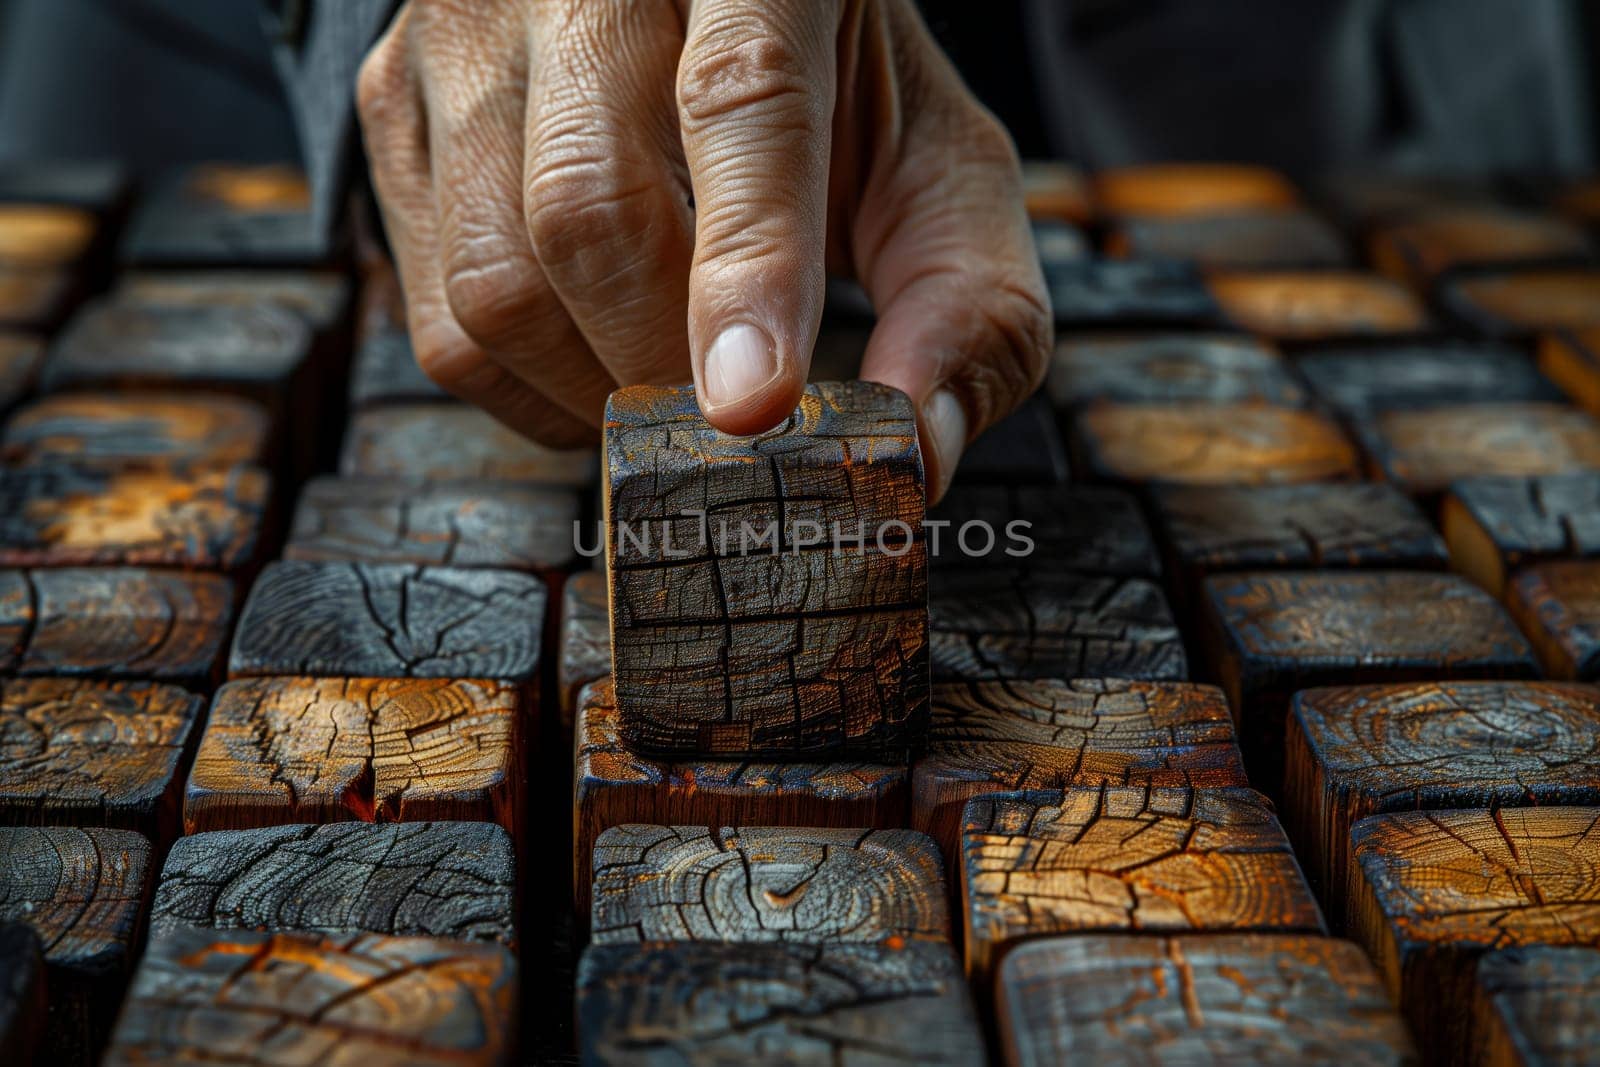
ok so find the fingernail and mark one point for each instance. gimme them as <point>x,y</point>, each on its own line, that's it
<point>740,362</point>
<point>946,420</point>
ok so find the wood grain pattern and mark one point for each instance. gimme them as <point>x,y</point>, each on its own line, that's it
<point>1355,751</point>
<point>150,430</point>
<point>446,879</point>
<point>997,737</point>
<point>1228,998</point>
<point>1537,1006</point>
<point>1525,303</point>
<point>1432,891</point>
<point>1169,368</point>
<point>1024,448</point>
<point>1571,359</point>
<point>792,884</point>
<point>225,214</point>
<point>20,357</point>
<point>1498,525</point>
<point>1242,240</point>
<point>1358,381</point>
<point>1087,529</point>
<point>241,997</point>
<point>1295,306</point>
<point>1056,191</point>
<point>1124,858</point>
<point>585,652</point>
<point>1419,250</point>
<point>451,442</point>
<point>45,236</point>
<point>821,1005</point>
<point>390,621</point>
<point>322,298</point>
<point>1188,189</point>
<point>22,994</point>
<point>1423,452</point>
<point>386,372</point>
<point>117,622</point>
<point>463,524</point>
<point>614,787</point>
<point>33,299</point>
<point>1127,293</point>
<point>284,750</point>
<point>1558,607</point>
<point>812,642</point>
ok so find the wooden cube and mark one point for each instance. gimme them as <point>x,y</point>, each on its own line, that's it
<point>1311,306</point>
<point>169,431</point>
<point>1169,368</point>
<point>239,995</point>
<point>1024,448</point>
<point>1056,191</point>
<point>227,214</point>
<point>1361,199</point>
<point>321,298</point>
<point>1434,890</point>
<point>45,236</point>
<point>446,879</point>
<point>1423,452</point>
<point>117,622</point>
<point>585,639</point>
<point>1031,622</point>
<point>1359,381</point>
<point>795,884</point>
<point>386,372</point>
<point>1495,526</point>
<point>33,299</point>
<point>1211,444</point>
<point>768,593</point>
<point>452,442</point>
<point>286,750</point>
<point>390,621</point>
<point>1571,359</point>
<point>1226,998</point>
<point>1241,240</point>
<point>1186,189</point>
<point>20,357</point>
<point>22,997</point>
<point>1088,293</point>
<point>1420,249</point>
<point>1524,303</point>
<point>1558,607</point>
<point>98,185</point>
<point>1537,1005</point>
<point>462,524</point>
<point>701,1002</point>
<point>1079,528</point>
<point>997,737</point>
<point>1355,751</point>
<point>1124,858</point>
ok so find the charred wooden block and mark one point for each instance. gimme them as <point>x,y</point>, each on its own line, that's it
<point>1362,199</point>
<point>118,622</point>
<point>321,298</point>
<point>1211,444</point>
<point>997,737</point>
<point>1042,622</point>
<point>1226,998</point>
<point>138,430</point>
<point>1571,358</point>
<point>614,787</point>
<point>1169,368</point>
<point>22,996</point>
<point>34,299</point>
<point>451,442</point>
<point>1424,451</point>
<point>811,639</point>
<point>45,236</point>
<point>447,879</point>
<point>1059,242</point>
<point>81,891</point>
<point>359,620</point>
<point>585,639</point>
<point>1056,191</point>
<point>1496,526</point>
<point>285,750</point>
<point>1419,250</point>
<point>100,186</point>
<point>794,884</point>
<point>1524,303</point>
<point>241,996</point>
<point>1187,189</point>
<point>1024,448</point>
<point>386,372</point>
<point>462,524</point>
<point>1359,381</point>
<point>1119,292</point>
<point>826,1004</point>
<point>1432,891</point>
<point>1123,858</point>
<point>1355,751</point>
<point>1078,528</point>
<point>1321,305</point>
<point>20,356</point>
<point>1537,1006</point>
<point>1558,607</point>
<point>1273,634</point>
<point>223,214</point>
<point>1243,240</point>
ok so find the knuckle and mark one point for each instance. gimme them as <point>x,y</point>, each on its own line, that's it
<point>448,363</point>
<point>379,82</point>
<point>582,202</point>
<point>490,297</point>
<point>745,71</point>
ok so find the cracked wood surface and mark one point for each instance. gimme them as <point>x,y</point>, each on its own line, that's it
<point>45,235</point>
<point>33,299</point>
<point>20,357</point>
<point>1088,293</point>
<point>321,298</point>
<point>1419,250</point>
<point>1432,891</point>
<point>996,737</point>
<point>1265,999</point>
<point>1355,751</point>
<point>226,215</point>
<point>585,641</point>
<point>452,443</point>
<point>1360,380</point>
<point>432,879</point>
<point>1496,526</point>
<point>1169,368</point>
<point>243,997</point>
<point>1124,858</point>
<point>1023,622</point>
<point>1245,240</point>
<point>1423,452</point>
<point>285,750</point>
<point>1537,1007</point>
<point>120,622</point>
<point>463,524</point>
<point>1558,607</point>
<point>725,651</point>
<point>152,430</point>
<point>1522,303</point>
<point>1316,305</point>
<point>1219,444</point>
<point>22,994</point>
<point>614,787</point>
<point>792,884</point>
<point>390,621</point>
<point>829,1005</point>
<point>94,754</point>
<point>1076,528</point>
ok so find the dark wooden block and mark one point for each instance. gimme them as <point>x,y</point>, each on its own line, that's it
<point>812,642</point>
<point>1433,891</point>
<point>1086,293</point>
<point>34,299</point>
<point>1355,751</point>
<point>98,185</point>
<point>286,750</point>
<point>446,879</point>
<point>1243,240</point>
<point>20,356</point>
<point>837,355</point>
<point>1056,192</point>
<point>794,884</point>
<point>225,214</point>
<point>244,997</point>
<point>22,996</point>
<point>1079,528</point>
<point>1226,998</point>
<point>1041,622</point>
<point>1059,242</point>
<point>119,622</point>
<point>45,236</point>
<point>1558,607</point>
<point>452,442</point>
<point>996,737</point>
<point>321,298</point>
<point>1358,381</point>
<point>614,787</point>
<point>1024,448</point>
<point>1537,1007</point>
<point>1124,858</point>
<point>138,430</point>
<point>1419,250</point>
<point>1319,305</point>
<point>462,524</point>
<point>585,639</point>
<point>1169,368</point>
<point>390,621</point>
<point>1496,526</point>
<point>1524,303</point>
<point>1189,189</point>
<point>1211,444</point>
<point>1362,199</point>
<point>1571,359</point>
<point>1424,451</point>
<point>386,372</point>
<point>821,1005</point>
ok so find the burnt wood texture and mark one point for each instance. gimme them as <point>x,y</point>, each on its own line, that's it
<point>1497,525</point>
<point>1558,607</point>
<point>1221,444</point>
<point>1525,303</point>
<point>1419,250</point>
<point>163,431</point>
<point>1423,452</point>
<point>1322,305</point>
<point>33,299</point>
<point>1087,529</point>
<point>1244,240</point>
<point>321,298</point>
<point>1169,368</point>
<point>1571,358</point>
<point>22,995</point>
<point>585,639</point>
<point>1358,381</point>
<point>385,371</point>
<point>227,215</point>
<point>453,443</point>
<point>1091,293</point>
<point>1023,448</point>
<point>1537,1006</point>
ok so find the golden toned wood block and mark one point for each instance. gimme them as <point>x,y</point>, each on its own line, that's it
<point>449,442</point>
<point>1496,526</point>
<point>250,188</point>
<point>1056,191</point>
<point>1169,368</point>
<point>1289,306</point>
<point>138,430</point>
<point>1526,302</point>
<point>1571,359</point>
<point>45,236</point>
<point>1537,1006</point>
<point>1423,452</point>
<point>1557,605</point>
<point>1239,240</point>
<point>1191,189</point>
<point>1420,249</point>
